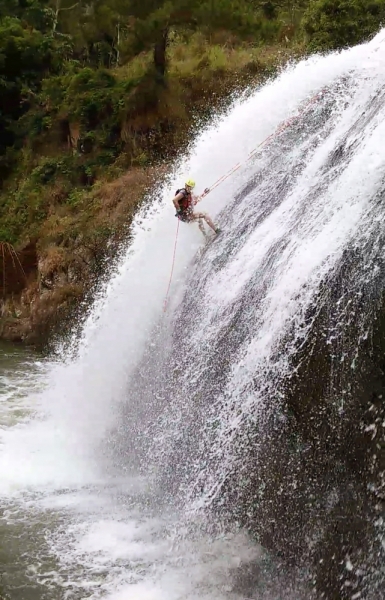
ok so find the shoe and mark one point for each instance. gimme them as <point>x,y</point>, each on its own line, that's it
<point>217,230</point>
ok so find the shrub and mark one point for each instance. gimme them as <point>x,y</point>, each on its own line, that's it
<point>333,24</point>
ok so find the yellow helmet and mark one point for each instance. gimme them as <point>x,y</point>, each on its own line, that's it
<point>190,183</point>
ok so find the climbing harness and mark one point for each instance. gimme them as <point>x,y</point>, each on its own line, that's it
<point>186,202</point>
<point>280,129</point>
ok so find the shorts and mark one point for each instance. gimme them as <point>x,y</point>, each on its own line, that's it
<point>185,216</point>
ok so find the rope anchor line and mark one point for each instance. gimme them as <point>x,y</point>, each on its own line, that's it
<point>277,132</point>
<point>172,269</point>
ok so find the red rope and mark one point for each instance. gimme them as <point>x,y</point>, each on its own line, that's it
<point>172,268</point>
<point>279,130</point>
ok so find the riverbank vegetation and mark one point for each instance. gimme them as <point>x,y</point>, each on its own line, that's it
<point>96,100</point>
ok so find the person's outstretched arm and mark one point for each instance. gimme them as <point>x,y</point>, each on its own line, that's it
<point>197,199</point>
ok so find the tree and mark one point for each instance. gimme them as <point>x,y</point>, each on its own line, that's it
<point>333,24</point>
<point>147,24</point>
<point>59,8</point>
<point>26,55</point>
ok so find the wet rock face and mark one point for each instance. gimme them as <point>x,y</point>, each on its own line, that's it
<point>294,450</point>
<point>310,483</point>
<point>309,480</point>
<point>336,399</point>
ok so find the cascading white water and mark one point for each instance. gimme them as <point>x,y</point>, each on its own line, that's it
<point>95,535</point>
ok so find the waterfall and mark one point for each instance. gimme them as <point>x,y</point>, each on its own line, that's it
<point>231,447</point>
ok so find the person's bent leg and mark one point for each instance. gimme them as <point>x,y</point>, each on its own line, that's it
<point>201,227</point>
<point>207,219</point>
<point>210,223</point>
<point>198,217</point>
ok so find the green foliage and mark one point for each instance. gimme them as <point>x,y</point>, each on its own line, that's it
<point>269,10</point>
<point>332,24</point>
<point>45,172</point>
<point>150,23</point>
<point>25,58</point>
<point>75,197</point>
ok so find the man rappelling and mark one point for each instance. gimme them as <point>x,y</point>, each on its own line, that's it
<point>184,203</point>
